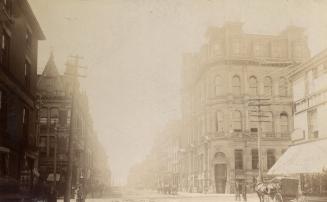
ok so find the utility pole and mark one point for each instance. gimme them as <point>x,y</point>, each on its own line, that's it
<point>259,114</point>
<point>73,73</point>
<point>55,158</point>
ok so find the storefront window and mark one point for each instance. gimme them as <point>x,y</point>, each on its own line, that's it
<point>314,184</point>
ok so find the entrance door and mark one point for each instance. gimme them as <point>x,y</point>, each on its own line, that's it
<point>220,177</point>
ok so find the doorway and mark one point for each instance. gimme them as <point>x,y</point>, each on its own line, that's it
<point>220,177</point>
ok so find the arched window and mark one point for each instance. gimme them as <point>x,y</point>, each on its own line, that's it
<point>237,121</point>
<point>219,121</point>
<point>54,118</point>
<point>268,124</point>
<point>43,120</point>
<point>271,159</point>
<point>253,86</point>
<point>236,85</point>
<point>218,85</point>
<point>282,87</point>
<point>284,123</point>
<point>267,85</point>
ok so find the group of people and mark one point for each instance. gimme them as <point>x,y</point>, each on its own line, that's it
<point>240,191</point>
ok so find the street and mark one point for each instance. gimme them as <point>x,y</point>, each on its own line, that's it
<point>149,196</point>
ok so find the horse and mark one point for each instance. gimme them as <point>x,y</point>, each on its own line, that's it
<point>266,189</point>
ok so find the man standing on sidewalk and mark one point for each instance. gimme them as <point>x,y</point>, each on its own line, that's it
<point>237,191</point>
<point>244,191</point>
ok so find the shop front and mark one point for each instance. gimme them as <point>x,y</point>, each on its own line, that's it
<point>308,162</point>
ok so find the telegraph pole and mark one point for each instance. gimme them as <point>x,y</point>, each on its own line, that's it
<point>259,115</point>
<point>55,158</point>
<point>73,73</point>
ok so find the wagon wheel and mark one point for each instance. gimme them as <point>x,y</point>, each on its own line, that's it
<point>278,197</point>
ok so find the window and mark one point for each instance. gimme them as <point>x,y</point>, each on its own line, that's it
<point>238,159</point>
<point>219,121</point>
<point>253,86</point>
<point>28,39</point>
<point>253,121</point>
<point>255,158</point>
<point>236,47</point>
<point>236,85</point>
<point>54,119</point>
<point>5,45</point>
<point>69,114</point>
<point>27,72</point>
<point>219,89</point>
<point>63,115</point>
<point>43,146</point>
<point>216,49</point>
<point>3,109</point>
<point>24,115</point>
<point>43,120</point>
<point>312,124</point>
<point>4,164</point>
<point>257,49</point>
<point>284,123</point>
<point>271,159</point>
<point>237,121</point>
<point>268,124</point>
<point>25,121</point>
<point>52,146</point>
<point>267,85</point>
<point>282,87</point>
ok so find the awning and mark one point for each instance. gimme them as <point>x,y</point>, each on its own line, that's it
<point>4,149</point>
<point>303,158</point>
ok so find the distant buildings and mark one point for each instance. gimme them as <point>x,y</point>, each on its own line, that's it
<point>19,34</point>
<point>162,165</point>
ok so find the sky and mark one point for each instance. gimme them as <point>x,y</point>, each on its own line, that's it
<point>133,51</point>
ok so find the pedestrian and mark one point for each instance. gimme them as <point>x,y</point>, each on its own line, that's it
<point>244,191</point>
<point>52,196</point>
<point>79,194</point>
<point>237,191</point>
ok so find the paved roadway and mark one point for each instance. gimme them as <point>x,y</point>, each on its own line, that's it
<point>147,196</point>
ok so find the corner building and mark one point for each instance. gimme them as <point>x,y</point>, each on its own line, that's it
<point>223,84</point>
<point>55,119</point>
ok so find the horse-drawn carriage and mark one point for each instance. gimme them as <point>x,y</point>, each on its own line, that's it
<point>278,189</point>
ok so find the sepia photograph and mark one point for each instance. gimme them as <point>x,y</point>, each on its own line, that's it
<point>163,101</point>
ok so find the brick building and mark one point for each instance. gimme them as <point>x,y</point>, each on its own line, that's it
<point>223,84</point>
<point>20,33</point>
<point>55,100</point>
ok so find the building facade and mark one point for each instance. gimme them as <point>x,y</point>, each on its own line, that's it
<point>306,156</point>
<point>232,92</point>
<point>309,86</point>
<point>20,33</point>
<point>56,103</point>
